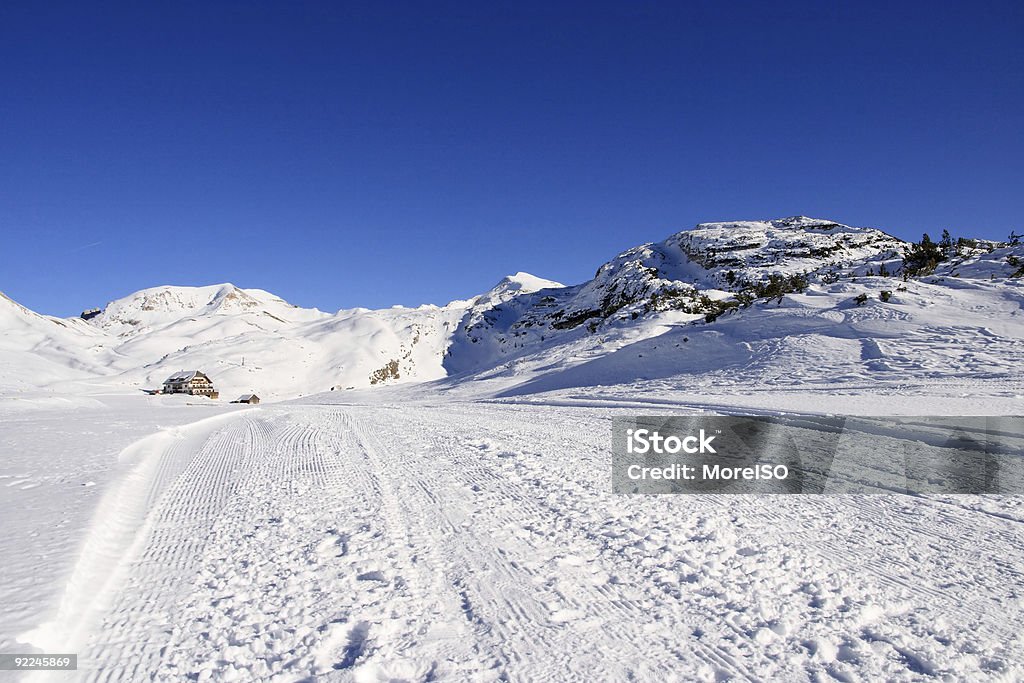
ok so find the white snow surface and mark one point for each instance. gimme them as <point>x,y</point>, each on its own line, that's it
<point>453,519</point>
<point>413,538</point>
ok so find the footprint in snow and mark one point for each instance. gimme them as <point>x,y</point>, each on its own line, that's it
<point>335,544</point>
<point>355,645</point>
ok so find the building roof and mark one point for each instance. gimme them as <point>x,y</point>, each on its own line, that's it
<point>246,397</point>
<point>184,376</point>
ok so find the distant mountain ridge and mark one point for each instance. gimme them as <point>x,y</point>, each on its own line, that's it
<point>157,307</point>
<point>251,340</point>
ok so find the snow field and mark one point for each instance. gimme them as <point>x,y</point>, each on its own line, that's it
<point>474,541</point>
<point>122,519</point>
<point>58,461</point>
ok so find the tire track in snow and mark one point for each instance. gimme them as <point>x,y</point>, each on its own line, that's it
<point>554,516</point>
<point>552,609</point>
<point>310,570</point>
<point>118,530</point>
<point>430,529</point>
<point>435,606</point>
<point>456,543</point>
<point>128,643</point>
<point>243,489</point>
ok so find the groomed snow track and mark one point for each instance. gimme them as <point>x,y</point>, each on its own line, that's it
<point>481,542</point>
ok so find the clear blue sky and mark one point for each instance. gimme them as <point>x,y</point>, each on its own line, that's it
<point>373,153</point>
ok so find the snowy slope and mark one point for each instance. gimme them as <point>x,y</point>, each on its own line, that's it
<point>482,335</point>
<point>925,335</point>
<point>717,281</point>
<point>251,341</point>
<point>779,297</point>
<point>247,340</point>
<point>357,348</point>
<point>162,320</point>
<point>161,308</point>
<point>685,273</point>
<point>37,350</point>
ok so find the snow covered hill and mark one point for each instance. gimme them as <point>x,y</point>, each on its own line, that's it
<point>797,293</point>
<point>251,341</point>
<point>38,350</point>
<point>694,272</point>
<point>197,312</point>
<point>810,268</point>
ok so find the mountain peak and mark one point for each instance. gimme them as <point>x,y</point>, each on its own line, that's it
<point>513,285</point>
<point>159,306</point>
<point>527,282</point>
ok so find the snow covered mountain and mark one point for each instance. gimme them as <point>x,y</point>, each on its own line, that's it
<point>796,293</point>
<point>252,341</point>
<point>735,308</point>
<point>37,350</point>
<point>198,311</point>
<point>697,276</point>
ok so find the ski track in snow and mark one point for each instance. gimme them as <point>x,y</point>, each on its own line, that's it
<point>481,542</point>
